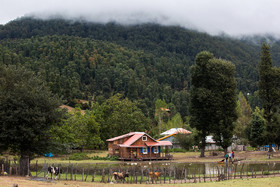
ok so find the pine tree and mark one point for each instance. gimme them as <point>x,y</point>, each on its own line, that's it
<point>269,93</point>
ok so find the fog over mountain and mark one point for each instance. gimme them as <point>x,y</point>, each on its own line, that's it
<point>235,18</point>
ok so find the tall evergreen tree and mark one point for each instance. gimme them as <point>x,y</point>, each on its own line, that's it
<point>269,92</point>
<point>201,98</point>
<point>213,99</point>
<point>224,91</point>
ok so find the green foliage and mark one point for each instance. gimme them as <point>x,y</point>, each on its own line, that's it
<point>256,130</point>
<point>244,116</point>
<point>78,130</point>
<point>186,141</point>
<point>118,116</point>
<point>213,99</point>
<point>143,62</point>
<point>112,158</point>
<point>78,156</point>
<point>28,111</point>
<point>269,93</point>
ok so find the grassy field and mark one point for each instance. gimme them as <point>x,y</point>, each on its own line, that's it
<point>247,156</point>
<point>26,182</point>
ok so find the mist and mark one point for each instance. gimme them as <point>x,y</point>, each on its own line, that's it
<point>234,18</point>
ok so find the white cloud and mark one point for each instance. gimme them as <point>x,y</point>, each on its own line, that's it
<point>213,16</point>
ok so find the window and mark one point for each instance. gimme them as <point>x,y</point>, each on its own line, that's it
<point>145,150</point>
<point>156,150</point>
<point>144,138</point>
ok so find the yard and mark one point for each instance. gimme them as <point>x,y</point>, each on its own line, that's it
<point>26,182</point>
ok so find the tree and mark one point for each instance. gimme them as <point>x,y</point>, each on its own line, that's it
<point>255,130</point>
<point>269,93</point>
<point>244,117</point>
<point>28,111</point>
<point>224,91</point>
<point>160,110</point>
<point>213,99</point>
<point>78,130</point>
<point>118,116</point>
<point>201,99</point>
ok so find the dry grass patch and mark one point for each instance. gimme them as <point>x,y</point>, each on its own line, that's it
<point>24,182</point>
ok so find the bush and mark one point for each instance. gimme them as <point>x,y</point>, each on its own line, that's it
<point>111,158</point>
<point>78,156</point>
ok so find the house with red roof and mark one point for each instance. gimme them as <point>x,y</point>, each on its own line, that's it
<point>138,146</point>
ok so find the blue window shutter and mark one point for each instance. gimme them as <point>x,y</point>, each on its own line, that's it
<point>148,149</point>
<point>141,149</point>
<point>153,150</point>
<point>159,149</point>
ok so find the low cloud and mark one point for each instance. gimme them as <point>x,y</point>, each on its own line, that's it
<point>234,18</point>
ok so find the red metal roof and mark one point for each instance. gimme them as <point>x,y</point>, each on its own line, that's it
<point>124,136</point>
<point>131,140</point>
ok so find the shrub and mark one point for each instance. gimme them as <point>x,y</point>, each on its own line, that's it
<point>78,156</point>
<point>111,158</point>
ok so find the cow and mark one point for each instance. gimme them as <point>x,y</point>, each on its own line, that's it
<point>154,175</point>
<point>120,176</point>
<point>53,171</point>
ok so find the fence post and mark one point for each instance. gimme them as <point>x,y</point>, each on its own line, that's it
<point>92,176</point>
<point>10,171</point>
<point>36,167</point>
<point>71,176</point>
<point>194,175</point>
<point>83,172</point>
<point>218,173</point>
<point>174,175</point>
<point>169,175</point>
<point>164,174</point>
<point>199,175</point>
<point>241,171</point>
<point>185,175</point>
<point>103,176</point>
<point>75,178</point>
<point>88,173</point>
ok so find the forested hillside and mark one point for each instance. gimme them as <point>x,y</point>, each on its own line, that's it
<point>82,60</point>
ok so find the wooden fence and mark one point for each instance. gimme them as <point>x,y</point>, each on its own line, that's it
<point>141,174</point>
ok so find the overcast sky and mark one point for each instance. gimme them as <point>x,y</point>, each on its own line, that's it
<point>233,17</point>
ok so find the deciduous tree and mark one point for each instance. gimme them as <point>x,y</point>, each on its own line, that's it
<point>27,111</point>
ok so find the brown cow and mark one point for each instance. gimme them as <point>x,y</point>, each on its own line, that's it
<point>154,175</point>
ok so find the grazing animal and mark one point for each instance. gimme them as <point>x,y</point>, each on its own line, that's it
<point>120,176</point>
<point>154,175</point>
<point>53,171</point>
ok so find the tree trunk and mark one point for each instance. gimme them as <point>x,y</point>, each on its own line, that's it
<point>203,143</point>
<point>24,165</point>
<point>270,148</point>
<point>225,151</point>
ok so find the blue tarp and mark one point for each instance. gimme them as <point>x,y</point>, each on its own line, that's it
<point>48,155</point>
<point>267,146</point>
